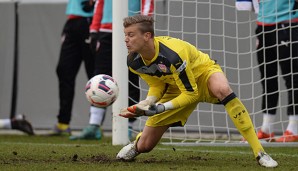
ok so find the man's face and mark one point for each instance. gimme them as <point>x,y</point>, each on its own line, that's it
<point>134,39</point>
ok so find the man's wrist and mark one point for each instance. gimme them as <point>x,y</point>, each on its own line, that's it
<point>160,108</point>
<point>168,105</point>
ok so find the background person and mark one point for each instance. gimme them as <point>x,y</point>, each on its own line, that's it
<point>101,45</point>
<point>75,49</point>
<point>277,46</point>
<point>18,123</point>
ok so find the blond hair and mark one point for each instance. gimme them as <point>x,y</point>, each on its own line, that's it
<point>145,23</point>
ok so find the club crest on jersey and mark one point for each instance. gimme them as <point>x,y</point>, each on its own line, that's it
<point>162,67</point>
<point>182,67</point>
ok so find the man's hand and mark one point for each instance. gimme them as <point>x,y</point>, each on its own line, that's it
<point>94,42</point>
<point>127,114</point>
<point>143,108</point>
<point>155,109</point>
<point>148,110</point>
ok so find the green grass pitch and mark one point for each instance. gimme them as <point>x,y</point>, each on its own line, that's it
<point>41,153</point>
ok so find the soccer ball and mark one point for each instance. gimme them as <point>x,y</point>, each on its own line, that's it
<point>101,90</point>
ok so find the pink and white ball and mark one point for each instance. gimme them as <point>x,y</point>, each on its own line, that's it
<point>101,90</point>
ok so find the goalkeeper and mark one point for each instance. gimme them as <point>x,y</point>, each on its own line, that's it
<point>179,77</point>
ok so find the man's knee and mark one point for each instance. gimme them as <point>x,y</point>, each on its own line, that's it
<point>222,92</point>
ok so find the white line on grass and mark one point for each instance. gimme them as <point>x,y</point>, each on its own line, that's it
<point>49,144</point>
<point>229,152</point>
<point>164,149</point>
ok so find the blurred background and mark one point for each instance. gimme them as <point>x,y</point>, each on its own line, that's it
<point>30,33</point>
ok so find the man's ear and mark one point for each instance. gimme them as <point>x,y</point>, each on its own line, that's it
<point>147,35</point>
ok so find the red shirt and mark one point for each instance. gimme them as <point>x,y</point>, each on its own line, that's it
<point>103,12</point>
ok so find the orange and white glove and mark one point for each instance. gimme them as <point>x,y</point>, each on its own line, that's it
<point>131,111</point>
<point>148,110</point>
<point>143,108</point>
<point>137,110</point>
<point>127,114</point>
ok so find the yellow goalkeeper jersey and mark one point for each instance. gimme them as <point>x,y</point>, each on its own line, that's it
<point>176,63</point>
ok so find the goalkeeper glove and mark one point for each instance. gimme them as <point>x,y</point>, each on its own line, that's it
<point>148,110</point>
<point>87,5</point>
<point>155,109</point>
<point>143,108</point>
<point>127,114</point>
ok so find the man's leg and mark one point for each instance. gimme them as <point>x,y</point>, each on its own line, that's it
<point>67,69</point>
<point>239,115</point>
<point>288,64</point>
<point>102,65</point>
<point>93,131</point>
<point>144,143</point>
